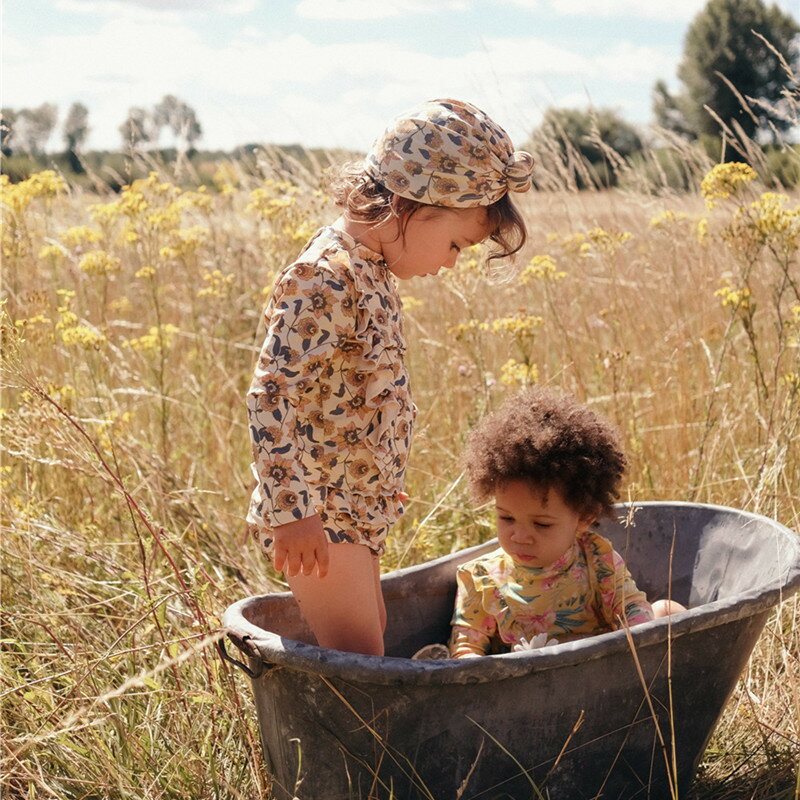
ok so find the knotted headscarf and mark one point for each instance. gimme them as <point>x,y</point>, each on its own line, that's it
<point>449,153</point>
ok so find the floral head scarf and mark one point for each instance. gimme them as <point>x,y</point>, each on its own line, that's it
<point>448,153</point>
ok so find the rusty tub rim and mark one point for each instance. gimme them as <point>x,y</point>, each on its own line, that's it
<point>273,649</point>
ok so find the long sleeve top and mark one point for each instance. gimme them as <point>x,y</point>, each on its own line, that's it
<point>585,592</point>
<point>329,406</point>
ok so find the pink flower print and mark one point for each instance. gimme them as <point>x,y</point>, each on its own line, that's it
<point>538,623</point>
<point>579,573</point>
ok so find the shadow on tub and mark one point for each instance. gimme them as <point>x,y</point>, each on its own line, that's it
<point>604,717</point>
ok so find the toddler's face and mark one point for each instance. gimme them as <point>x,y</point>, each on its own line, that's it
<point>534,526</point>
<point>433,239</point>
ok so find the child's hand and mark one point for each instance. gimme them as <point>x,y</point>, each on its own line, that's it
<point>540,640</point>
<point>300,545</point>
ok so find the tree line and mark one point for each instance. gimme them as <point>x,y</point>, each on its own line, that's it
<point>738,76</point>
<point>29,129</point>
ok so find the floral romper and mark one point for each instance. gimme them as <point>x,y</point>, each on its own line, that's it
<point>585,592</point>
<point>329,406</point>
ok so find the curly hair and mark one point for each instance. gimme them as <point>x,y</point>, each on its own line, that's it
<point>367,200</point>
<point>547,440</point>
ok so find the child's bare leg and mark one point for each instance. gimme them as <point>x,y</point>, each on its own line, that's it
<point>343,609</point>
<point>663,608</point>
<point>379,592</point>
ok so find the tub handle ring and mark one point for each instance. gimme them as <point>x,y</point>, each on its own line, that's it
<point>252,673</point>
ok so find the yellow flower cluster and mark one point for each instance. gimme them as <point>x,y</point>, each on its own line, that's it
<point>517,373</point>
<point>522,325</point>
<point>667,219</point>
<point>18,196</point>
<point>184,243</point>
<point>464,327</point>
<point>725,180</point>
<point>98,262</point>
<point>226,178</point>
<point>54,251</point>
<point>301,233</point>
<point>776,223</point>
<point>218,284</point>
<point>273,197</point>
<point>79,235</point>
<point>574,245</point>
<point>72,332</point>
<point>608,241</point>
<point>543,268</point>
<point>149,205</point>
<point>158,338</point>
<point>735,299</point>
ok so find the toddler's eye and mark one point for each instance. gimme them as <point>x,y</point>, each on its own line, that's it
<point>543,525</point>
<point>504,518</point>
<point>454,246</point>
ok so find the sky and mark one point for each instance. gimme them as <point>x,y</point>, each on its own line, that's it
<point>332,73</point>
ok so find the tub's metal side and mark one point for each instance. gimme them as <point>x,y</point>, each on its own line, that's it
<point>575,730</point>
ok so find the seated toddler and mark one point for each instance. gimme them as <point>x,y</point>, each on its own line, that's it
<point>553,468</point>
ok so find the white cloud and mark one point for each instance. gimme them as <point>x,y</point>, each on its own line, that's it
<point>260,88</point>
<point>360,9</point>
<point>116,7</point>
<point>669,10</point>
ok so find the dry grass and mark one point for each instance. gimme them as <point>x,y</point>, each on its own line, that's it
<point>125,465</point>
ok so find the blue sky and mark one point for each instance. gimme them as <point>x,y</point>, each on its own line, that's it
<point>330,73</point>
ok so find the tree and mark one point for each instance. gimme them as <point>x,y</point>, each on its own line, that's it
<point>668,112</point>
<point>7,119</point>
<point>33,127</point>
<point>76,129</point>
<point>601,137</point>
<point>725,62</point>
<point>180,118</point>
<point>137,128</point>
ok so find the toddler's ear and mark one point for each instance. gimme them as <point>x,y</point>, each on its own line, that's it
<point>587,521</point>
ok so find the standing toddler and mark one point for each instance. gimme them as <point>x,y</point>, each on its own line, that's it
<point>330,407</point>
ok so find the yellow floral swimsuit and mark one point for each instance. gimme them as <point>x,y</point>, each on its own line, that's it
<point>330,407</point>
<point>585,592</point>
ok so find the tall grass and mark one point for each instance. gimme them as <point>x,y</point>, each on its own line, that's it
<point>131,325</point>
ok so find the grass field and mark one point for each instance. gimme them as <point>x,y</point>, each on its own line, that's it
<point>130,329</point>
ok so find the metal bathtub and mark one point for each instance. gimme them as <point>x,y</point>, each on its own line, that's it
<point>621,715</point>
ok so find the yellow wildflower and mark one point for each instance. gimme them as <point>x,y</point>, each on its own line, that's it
<point>144,272</point>
<point>735,299</point>
<point>184,242</point>
<point>80,234</point>
<point>774,222</point>
<point>219,285</point>
<point>701,230</point>
<point>158,338</point>
<point>666,219</point>
<point>516,373</point>
<point>575,245</point>
<point>522,325</point>
<point>87,337</point>
<point>543,267</point>
<point>51,251</point>
<point>608,241</point>
<point>725,180</point>
<point>464,327</point>
<point>98,262</point>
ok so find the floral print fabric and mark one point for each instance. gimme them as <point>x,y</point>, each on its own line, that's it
<point>329,406</point>
<point>584,593</point>
<point>449,153</point>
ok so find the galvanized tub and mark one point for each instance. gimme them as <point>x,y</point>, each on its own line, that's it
<point>621,715</point>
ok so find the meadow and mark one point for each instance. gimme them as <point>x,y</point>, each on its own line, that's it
<point>131,323</point>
